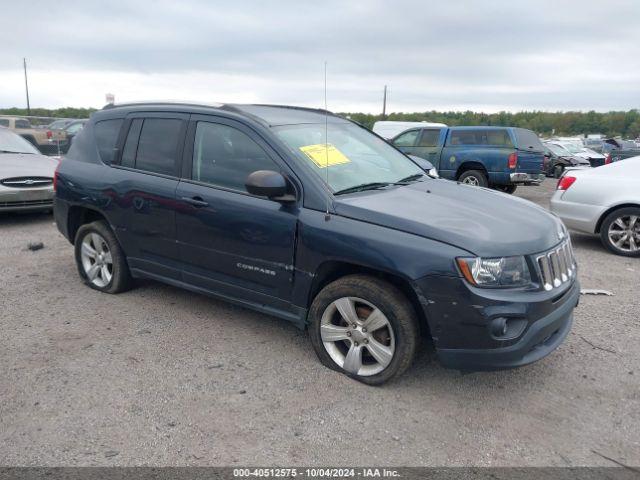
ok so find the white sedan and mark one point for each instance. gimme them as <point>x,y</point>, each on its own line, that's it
<point>603,201</point>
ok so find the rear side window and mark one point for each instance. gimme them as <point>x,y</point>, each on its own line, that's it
<point>499,138</point>
<point>20,123</point>
<point>152,145</point>
<point>467,137</point>
<point>527,140</point>
<point>488,137</point>
<point>106,135</point>
<point>429,138</point>
<point>407,139</point>
<point>131,144</point>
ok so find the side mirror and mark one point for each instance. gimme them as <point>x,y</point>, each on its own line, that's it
<point>270,184</point>
<point>425,165</point>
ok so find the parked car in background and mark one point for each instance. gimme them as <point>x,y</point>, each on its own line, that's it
<point>349,239</point>
<point>390,129</point>
<point>617,149</point>
<point>577,150</point>
<point>595,144</point>
<point>604,201</point>
<point>26,176</point>
<point>45,140</point>
<point>496,157</point>
<point>72,129</point>
<point>559,159</point>
<point>60,124</point>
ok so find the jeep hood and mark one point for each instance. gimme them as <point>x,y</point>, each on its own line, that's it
<point>482,221</point>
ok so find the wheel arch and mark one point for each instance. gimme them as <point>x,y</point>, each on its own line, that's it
<point>613,209</point>
<point>331,271</point>
<point>80,215</point>
<point>471,165</point>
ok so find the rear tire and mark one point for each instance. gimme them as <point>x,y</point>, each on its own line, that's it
<point>620,232</point>
<point>379,325</point>
<point>510,189</point>
<point>475,178</point>
<point>100,260</point>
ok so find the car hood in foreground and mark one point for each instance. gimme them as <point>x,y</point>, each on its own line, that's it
<point>588,155</point>
<point>576,160</point>
<point>479,220</point>
<point>26,165</point>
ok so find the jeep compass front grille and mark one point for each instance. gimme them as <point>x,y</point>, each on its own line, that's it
<point>557,266</point>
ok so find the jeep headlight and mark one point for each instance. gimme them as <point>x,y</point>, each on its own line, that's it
<point>495,272</point>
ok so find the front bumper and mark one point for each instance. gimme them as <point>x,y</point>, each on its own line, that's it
<point>462,319</point>
<point>576,216</point>
<point>15,200</point>
<point>526,178</point>
<point>541,338</point>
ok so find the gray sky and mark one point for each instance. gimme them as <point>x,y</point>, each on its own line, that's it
<point>485,55</point>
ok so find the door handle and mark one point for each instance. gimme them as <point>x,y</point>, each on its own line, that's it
<point>196,201</point>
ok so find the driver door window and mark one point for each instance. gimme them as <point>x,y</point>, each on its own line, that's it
<point>407,139</point>
<point>224,156</point>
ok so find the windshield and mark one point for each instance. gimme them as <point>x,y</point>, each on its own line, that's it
<point>59,124</point>
<point>528,140</point>
<point>572,148</point>
<point>558,150</point>
<point>353,156</point>
<point>12,143</point>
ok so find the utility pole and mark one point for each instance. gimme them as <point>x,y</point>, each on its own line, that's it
<point>26,85</point>
<point>384,104</point>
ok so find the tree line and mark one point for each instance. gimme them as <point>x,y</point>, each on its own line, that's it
<point>65,112</point>
<point>611,124</point>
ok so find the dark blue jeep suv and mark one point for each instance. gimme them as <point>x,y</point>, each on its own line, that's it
<point>305,215</point>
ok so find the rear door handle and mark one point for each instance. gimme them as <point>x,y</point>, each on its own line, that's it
<point>196,201</point>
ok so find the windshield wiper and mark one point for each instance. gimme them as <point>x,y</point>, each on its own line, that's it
<point>10,151</point>
<point>409,179</point>
<point>362,187</point>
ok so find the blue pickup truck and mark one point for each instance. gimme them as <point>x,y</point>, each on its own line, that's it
<point>496,157</point>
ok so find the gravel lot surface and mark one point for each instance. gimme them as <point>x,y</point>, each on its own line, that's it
<point>161,376</point>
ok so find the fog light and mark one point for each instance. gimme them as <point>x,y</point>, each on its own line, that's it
<point>499,327</point>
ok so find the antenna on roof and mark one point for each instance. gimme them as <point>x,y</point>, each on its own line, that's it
<point>327,217</point>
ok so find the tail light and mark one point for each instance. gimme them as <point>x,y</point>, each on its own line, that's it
<point>565,182</point>
<point>55,176</point>
<point>607,159</point>
<point>513,160</point>
<point>49,134</point>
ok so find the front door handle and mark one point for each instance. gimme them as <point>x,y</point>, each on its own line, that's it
<point>196,201</point>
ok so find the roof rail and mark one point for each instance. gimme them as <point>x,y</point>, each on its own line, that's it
<point>162,102</point>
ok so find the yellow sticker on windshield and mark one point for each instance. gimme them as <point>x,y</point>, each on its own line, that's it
<point>324,155</point>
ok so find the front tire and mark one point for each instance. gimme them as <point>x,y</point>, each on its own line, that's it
<point>620,232</point>
<point>100,260</point>
<point>365,328</point>
<point>475,178</point>
<point>510,189</point>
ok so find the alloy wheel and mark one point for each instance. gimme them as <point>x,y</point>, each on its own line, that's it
<point>357,336</point>
<point>96,260</point>
<point>471,180</point>
<point>624,233</point>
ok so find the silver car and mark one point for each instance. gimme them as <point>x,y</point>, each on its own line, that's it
<point>26,176</point>
<point>603,201</point>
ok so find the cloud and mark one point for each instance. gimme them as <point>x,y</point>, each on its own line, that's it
<point>461,54</point>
